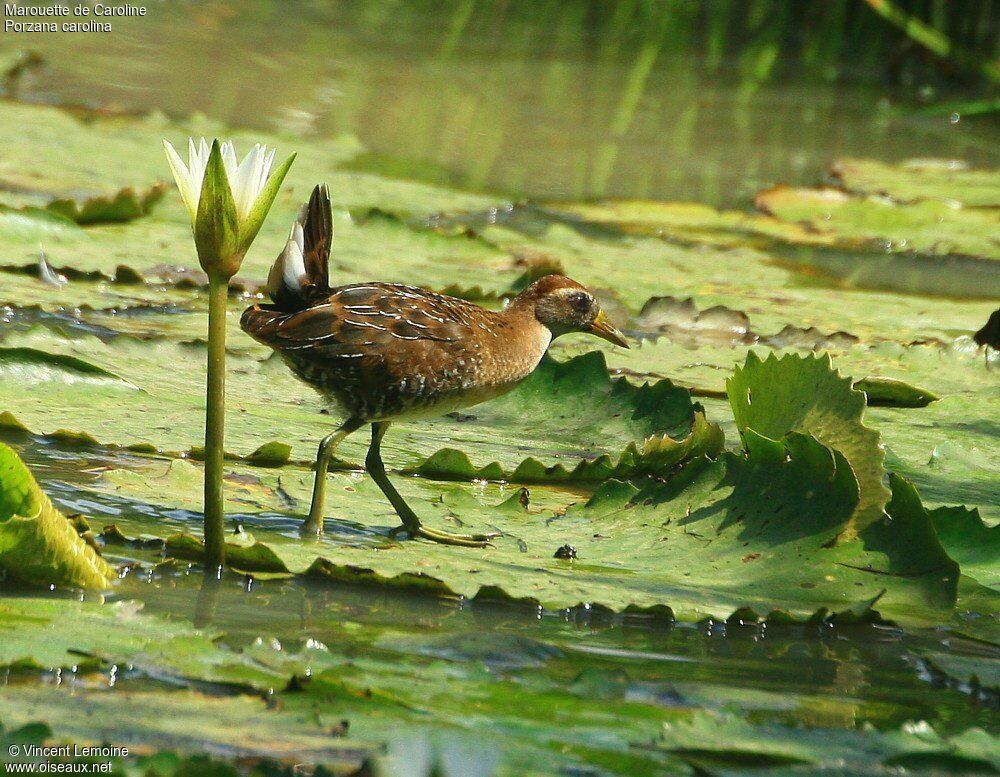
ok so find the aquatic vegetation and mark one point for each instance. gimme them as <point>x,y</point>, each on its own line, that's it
<point>126,205</point>
<point>228,202</point>
<point>38,545</point>
<point>793,473</point>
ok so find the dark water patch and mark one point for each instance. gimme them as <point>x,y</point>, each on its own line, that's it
<point>424,170</point>
<point>952,276</point>
<point>51,460</point>
<point>524,217</point>
<point>86,320</point>
<point>69,324</point>
<point>551,102</point>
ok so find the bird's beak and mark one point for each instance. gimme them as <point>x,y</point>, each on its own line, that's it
<point>603,328</point>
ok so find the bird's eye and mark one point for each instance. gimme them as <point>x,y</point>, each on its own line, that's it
<point>579,301</point>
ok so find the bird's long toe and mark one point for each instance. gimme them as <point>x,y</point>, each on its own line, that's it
<point>464,540</point>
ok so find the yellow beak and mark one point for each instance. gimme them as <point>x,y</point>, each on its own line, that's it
<point>603,328</point>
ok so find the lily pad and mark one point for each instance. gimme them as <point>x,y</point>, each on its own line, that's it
<point>305,702</point>
<point>28,366</point>
<point>920,179</point>
<point>894,392</point>
<point>931,226</point>
<point>776,396</point>
<point>946,448</point>
<point>61,157</point>
<point>973,544</point>
<point>752,532</point>
<point>721,741</point>
<point>38,545</point>
<point>27,225</point>
<point>565,414</point>
<point>126,205</point>
<point>772,288</point>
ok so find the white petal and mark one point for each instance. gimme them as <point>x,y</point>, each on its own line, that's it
<point>198,156</point>
<point>244,190</point>
<point>262,172</point>
<point>199,161</point>
<point>229,160</point>
<point>266,173</point>
<point>183,177</point>
<point>254,182</point>
<point>177,166</point>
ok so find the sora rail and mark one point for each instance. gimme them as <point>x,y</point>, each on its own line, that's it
<point>386,352</point>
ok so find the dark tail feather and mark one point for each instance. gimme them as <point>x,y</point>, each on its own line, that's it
<point>301,271</point>
<point>318,229</point>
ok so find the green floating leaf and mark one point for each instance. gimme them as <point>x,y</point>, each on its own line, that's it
<point>904,542</point>
<point>973,544</point>
<point>414,582</point>
<point>38,545</point>
<point>29,366</point>
<point>30,733</point>
<point>248,558</point>
<point>271,454</point>
<point>920,179</point>
<point>805,394</point>
<point>35,224</point>
<point>657,455</point>
<point>948,449</point>
<point>930,226</point>
<point>683,222</point>
<point>126,205</point>
<point>724,741</point>
<point>579,400</point>
<point>982,670</point>
<point>890,392</point>
<point>752,531</point>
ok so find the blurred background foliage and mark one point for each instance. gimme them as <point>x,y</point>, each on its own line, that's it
<point>665,99</point>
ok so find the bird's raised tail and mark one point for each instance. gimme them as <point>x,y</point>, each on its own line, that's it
<point>301,271</point>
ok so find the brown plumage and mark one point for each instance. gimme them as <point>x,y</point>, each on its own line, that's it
<point>385,352</point>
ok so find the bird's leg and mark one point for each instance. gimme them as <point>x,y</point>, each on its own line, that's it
<point>314,523</point>
<point>411,523</point>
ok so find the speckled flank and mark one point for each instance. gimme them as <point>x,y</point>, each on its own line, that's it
<point>386,351</point>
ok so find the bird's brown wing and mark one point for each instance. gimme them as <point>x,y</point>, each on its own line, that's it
<point>372,321</point>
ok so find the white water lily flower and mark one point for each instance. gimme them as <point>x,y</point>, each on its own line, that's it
<point>228,200</point>
<point>246,179</point>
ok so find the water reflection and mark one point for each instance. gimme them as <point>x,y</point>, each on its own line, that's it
<point>664,100</point>
<point>826,676</point>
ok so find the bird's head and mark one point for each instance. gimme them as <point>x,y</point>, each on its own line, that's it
<point>562,306</point>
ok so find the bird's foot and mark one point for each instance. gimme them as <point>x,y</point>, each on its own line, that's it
<point>447,538</point>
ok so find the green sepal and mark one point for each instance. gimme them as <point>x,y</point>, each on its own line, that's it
<point>255,218</point>
<point>216,228</point>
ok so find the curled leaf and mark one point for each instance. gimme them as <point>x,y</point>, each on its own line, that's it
<point>38,545</point>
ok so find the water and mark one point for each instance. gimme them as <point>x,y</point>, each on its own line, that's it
<point>544,100</point>
<point>547,100</point>
<point>576,675</point>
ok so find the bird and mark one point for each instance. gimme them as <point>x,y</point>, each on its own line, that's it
<point>387,352</point>
<point>989,335</point>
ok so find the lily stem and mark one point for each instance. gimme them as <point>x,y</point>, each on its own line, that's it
<point>215,417</point>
